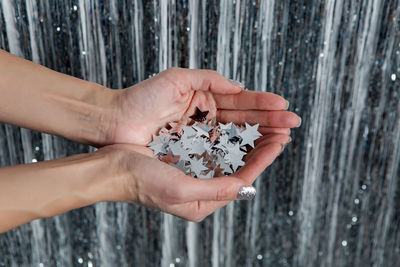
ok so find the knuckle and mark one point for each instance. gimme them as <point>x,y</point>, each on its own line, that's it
<point>222,194</point>
<point>178,195</point>
<point>174,195</point>
<point>173,70</point>
<point>214,72</point>
<point>212,75</point>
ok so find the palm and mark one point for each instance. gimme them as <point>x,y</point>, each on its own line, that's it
<point>155,103</point>
<point>173,95</point>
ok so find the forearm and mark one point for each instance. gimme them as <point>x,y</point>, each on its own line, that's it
<point>41,99</point>
<point>45,189</point>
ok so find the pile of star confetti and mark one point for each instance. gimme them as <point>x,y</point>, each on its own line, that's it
<point>204,149</point>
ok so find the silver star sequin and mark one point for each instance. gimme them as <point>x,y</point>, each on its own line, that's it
<point>204,149</point>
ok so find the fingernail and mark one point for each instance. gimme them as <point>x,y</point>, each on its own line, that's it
<point>283,148</point>
<point>290,140</point>
<point>287,105</point>
<point>299,123</point>
<point>236,83</point>
<point>246,193</point>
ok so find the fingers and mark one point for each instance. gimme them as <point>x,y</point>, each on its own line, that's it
<point>280,119</point>
<point>208,80</point>
<point>273,138</point>
<point>251,100</point>
<point>193,199</point>
<point>197,210</point>
<point>203,80</point>
<point>273,130</point>
<point>261,157</point>
<point>217,189</point>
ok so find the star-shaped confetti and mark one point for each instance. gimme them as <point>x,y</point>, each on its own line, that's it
<point>199,116</point>
<point>196,166</point>
<point>249,135</point>
<point>204,149</point>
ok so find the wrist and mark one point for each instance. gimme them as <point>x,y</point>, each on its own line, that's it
<point>120,180</point>
<point>98,112</point>
<point>88,179</point>
<point>50,188</point>
<point>127,164</point>
<point>98,180</point>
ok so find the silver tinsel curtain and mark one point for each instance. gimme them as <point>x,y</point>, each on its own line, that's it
<point>331,199</point>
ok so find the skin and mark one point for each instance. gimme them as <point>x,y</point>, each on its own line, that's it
<point>120,123</point>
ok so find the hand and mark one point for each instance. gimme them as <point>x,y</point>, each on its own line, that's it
<point>147,181</point>
<point>174,94</point>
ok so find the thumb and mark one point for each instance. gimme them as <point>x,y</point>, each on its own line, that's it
<point>203,80</point>
<point>210,80</point>
<point>219,189</point>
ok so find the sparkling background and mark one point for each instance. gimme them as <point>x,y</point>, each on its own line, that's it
<point>331,199</point>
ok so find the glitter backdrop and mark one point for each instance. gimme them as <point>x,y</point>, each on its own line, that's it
<point>331,199</point>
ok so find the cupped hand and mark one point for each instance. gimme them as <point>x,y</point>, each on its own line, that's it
<point>174,94</point>
<point>147,181</point>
